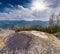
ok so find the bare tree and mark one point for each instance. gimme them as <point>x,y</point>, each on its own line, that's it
<point>51,21</point>
<point>57,21</point>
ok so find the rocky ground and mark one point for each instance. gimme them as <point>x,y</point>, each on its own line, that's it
<point>4,34</point>
<point>58,36</point>
<point>30,42</point>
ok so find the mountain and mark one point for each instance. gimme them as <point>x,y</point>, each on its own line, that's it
<point>7,23</point>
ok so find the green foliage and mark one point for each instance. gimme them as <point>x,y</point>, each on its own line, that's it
<point>49,29</point>
<point>17,30</point>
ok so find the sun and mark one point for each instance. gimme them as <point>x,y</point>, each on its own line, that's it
<point>39,6</point>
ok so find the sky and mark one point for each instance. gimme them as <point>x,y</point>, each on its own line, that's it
<point>28,9</point>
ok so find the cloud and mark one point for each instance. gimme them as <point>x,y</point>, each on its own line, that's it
<point>19,13</point>
<point>39,10</point>
<point>39,5</point>
<point>22,13</point>
<point>0,3</point>
<point>11,5</point>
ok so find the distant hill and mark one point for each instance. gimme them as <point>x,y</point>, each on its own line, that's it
<point>7,23</point>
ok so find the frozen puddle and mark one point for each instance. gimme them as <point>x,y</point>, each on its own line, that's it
<point>39,34</point>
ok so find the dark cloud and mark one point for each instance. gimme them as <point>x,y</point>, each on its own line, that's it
<point>55,3</point>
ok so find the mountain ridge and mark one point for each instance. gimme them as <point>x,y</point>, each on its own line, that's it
<point>9,23</point>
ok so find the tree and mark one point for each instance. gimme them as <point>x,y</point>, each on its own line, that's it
<point>58,21</point>
<point>16,28</point>
<point>51,22</point>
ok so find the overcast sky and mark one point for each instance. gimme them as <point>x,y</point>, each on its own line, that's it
<point>28,9</point>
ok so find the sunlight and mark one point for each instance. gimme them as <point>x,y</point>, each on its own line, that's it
<point>39,6</point>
